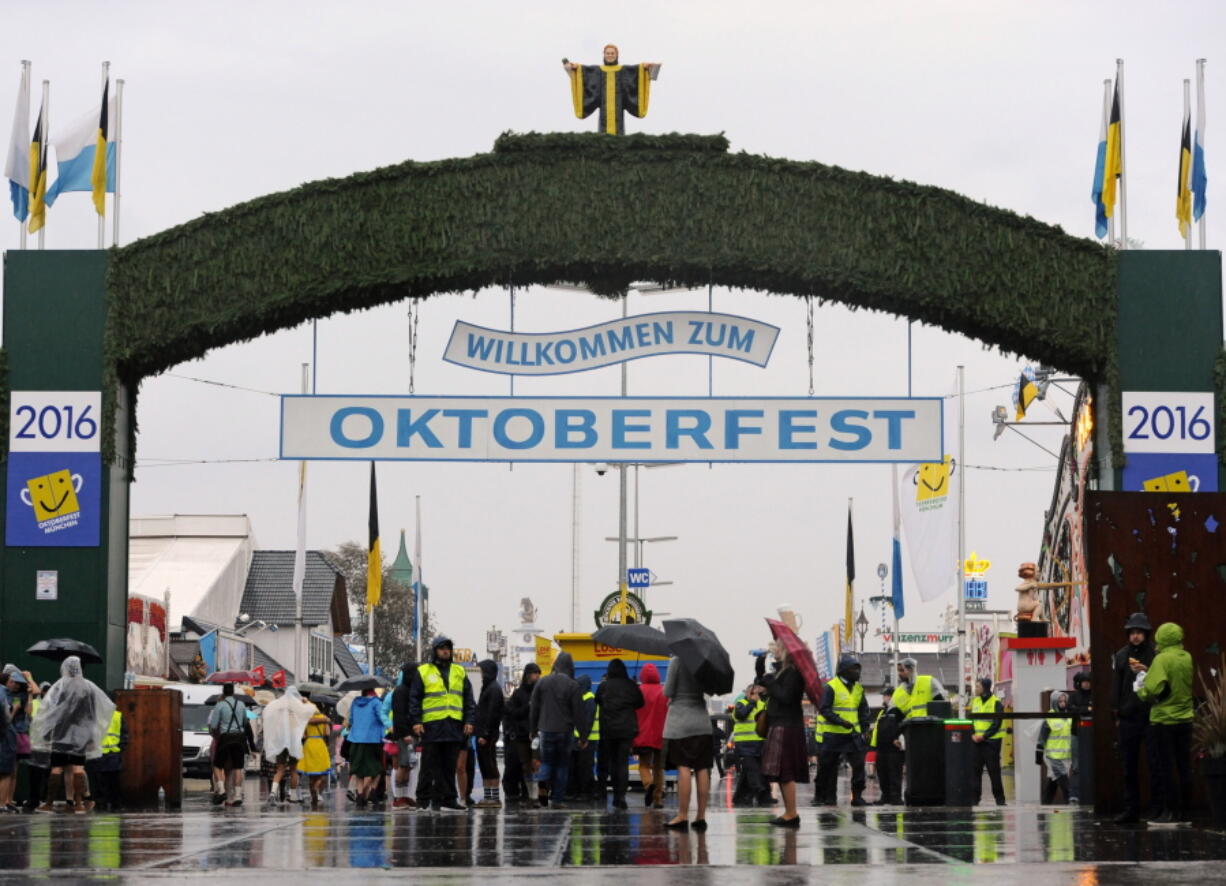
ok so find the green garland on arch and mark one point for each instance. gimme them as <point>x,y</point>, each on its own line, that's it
<point>588,208</point>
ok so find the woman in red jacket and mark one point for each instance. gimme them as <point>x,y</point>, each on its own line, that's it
<point>649,743</point>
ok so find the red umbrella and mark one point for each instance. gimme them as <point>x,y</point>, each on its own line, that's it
<point>801,656</point>
<point>228,677</point>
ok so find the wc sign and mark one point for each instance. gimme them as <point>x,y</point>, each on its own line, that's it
<point>54,470</point>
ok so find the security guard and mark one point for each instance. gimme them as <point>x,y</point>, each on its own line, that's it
<point>887,745</point>
<point>1055,749</point>
<point>441,712</point>
<point>915,691</point>
<point>751,787</point>
<point>104,770</point>
<point>583,784</point>
<point>987,735</point>
<point>844,711</point>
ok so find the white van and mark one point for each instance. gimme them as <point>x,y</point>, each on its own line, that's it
<point>196,738</point>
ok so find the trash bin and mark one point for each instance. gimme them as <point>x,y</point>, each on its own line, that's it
<point>1085,762</point>
<point>925,759</point>
<point>960,787</point>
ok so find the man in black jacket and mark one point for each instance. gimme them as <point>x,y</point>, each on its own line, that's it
<point>517,779</point>
<point>402,735</point>
<point>617,699</point>
<point>1132,714</point>
<point>555,714</point>
<point>887,742</point>
<point>441,713</point>
<point>582,784</point>
<point>489,721</point>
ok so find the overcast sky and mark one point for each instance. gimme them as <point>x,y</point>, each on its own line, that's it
<point>229,101</point>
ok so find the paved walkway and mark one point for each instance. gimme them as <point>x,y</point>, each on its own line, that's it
<point>1011,845</point>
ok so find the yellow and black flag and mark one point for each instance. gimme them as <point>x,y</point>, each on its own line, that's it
<point>849,622</point>
<point>97,174</point>
<point>1113,157</point>
<point>38,174</point>
<point>1183,187</point>
<point>374,559</point>
<point>1025,392</point>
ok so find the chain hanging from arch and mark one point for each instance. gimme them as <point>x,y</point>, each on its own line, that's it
<point>809,324</point>
<point>413,315</point>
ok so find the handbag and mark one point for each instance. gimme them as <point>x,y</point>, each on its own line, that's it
<point>759,725</point>
<point>23,744</point>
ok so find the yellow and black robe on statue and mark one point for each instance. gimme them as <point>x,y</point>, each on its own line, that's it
<point>614,89</point>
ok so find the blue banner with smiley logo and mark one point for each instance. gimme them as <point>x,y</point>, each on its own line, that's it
<point>54,499</point>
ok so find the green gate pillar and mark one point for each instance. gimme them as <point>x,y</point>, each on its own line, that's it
<point>1169,328</point>
<point>55,311</point>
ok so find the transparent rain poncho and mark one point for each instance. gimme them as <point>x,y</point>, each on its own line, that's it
<point>74,715</point>
<point>283,723</point>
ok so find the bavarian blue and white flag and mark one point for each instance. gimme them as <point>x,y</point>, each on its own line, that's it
<point>17,166</point>
<point>1200,181</point>
<point>75,148</point>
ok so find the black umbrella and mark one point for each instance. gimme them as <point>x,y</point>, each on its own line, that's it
<point>241,697</point>
<point>359,684</point>
<point>62,647</point>
<point>700,653</point>
<point>315,689</point>
<point>634,637</point>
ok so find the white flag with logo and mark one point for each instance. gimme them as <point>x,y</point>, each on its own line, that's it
<point>928,495</point>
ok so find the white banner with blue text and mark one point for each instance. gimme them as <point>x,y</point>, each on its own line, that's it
<point>627,338</point>
<point>612,429</point>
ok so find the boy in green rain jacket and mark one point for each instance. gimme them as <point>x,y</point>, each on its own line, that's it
<point>1167,686</point>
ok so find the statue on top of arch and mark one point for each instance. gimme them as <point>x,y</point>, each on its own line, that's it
<point>613,88</point>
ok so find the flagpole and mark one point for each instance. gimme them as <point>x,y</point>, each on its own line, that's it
<point>1185,177</point>
<point>961,541</point>
<point>106,77</point>
<point>25,87</point>
<point>896,542</point>
<point>300,579</point>
<point>42,146</point>
<point>118,153</point>
<point>1119,79</point>
<point>421,584</point>
<point>1200,131</point>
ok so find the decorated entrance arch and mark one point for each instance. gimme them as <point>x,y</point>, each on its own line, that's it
<point>540,209</point>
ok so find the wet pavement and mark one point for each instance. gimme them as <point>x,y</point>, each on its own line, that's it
<point>946,846</point>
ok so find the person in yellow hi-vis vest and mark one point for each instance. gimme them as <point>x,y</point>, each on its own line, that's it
<point>104,770</point>
<point>582,783</point>
<point>987,736</point>
<point>885,744</point>
<point>914,690</point>
<point>442,714</point>
<point>1055,749</point>
<point>844,711</point>
<point>751,787</point>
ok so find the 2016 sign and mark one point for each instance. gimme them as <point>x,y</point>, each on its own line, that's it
<point>54,469</point>
<point>1168,422</point>
<point>55,421</point>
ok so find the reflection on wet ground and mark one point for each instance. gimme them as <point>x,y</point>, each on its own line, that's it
<point>256,843</point>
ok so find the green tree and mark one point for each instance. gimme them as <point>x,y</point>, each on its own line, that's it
<point>394,643</point>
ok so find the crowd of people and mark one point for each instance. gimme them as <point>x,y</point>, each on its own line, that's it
<point>69,737</point>
<point>565,742</point>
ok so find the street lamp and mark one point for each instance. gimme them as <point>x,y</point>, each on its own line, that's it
<point>862,627</point>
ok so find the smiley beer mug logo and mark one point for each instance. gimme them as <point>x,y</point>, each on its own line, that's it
<point>53,495</point>
<point>1179,481</point>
